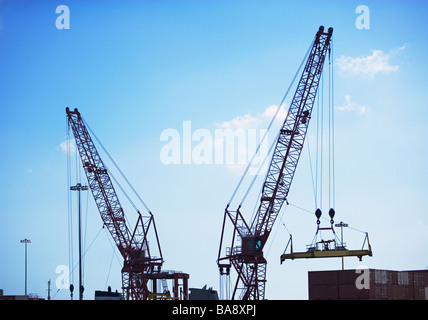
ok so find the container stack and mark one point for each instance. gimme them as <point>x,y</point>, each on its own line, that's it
<point>368,284</point>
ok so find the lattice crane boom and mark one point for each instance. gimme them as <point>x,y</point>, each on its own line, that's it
<point>291,138</point>
<point>248,260</point>
<point>132,244</point>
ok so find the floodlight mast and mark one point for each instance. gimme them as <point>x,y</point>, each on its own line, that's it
<point>78,187</point>
<point>248,259</point>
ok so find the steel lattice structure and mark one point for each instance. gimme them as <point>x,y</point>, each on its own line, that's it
<point>248,259</point>
<point>139,265</point>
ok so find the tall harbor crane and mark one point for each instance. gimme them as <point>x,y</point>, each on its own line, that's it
<point>247,256</point>
<point>140,265</point>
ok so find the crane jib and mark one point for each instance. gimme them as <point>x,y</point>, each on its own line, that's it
<point>291,138</point>
<point>99,182</point>
<point>139,266</point>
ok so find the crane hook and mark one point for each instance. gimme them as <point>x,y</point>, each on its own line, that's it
<point>318,214</point>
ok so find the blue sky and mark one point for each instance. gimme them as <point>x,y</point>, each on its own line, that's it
<point>137,68</point>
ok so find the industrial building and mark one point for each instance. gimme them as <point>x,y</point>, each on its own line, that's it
<point>107,295</point>
<point>203,294</point>
<point>368,284</point>
<point>10,297</point>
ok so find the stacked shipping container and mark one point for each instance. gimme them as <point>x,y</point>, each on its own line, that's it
<point>368,284</point>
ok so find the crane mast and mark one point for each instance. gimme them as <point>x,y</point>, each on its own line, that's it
<point>248,259</point>
<point>139,265</point>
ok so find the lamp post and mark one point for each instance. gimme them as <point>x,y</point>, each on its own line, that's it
<point>26,241</point>
<point>79,188</point>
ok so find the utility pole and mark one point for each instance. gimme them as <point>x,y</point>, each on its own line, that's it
<point>26,241</point>
<point>49,289</point>
<point>342,225</point>
<point>79,188</point>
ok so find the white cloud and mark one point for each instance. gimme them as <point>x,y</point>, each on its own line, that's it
<point>377,62</point>
<point>269,113</point>
<point>67,146</point>
<point>249,121</point>
<point>251,129</point>
<point>352,106</point>
<point>240,122</point>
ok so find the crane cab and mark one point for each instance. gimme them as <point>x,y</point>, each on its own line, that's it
<point>252,249</point>
<point>251,245</point>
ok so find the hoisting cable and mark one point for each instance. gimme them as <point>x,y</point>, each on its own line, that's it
<point>319,162</point>
<point>312,172</point>
<point>84,236</point>
<point>117,167</point>
<point>113,247</point>
<point>319,170</point>
<point>259,169</point>
<point>317,152</point>
<point>121,188</point>
<point>358,230</point>
<point>70,274</point>
<point>325,218</point>
<point>93,240</point>
<point>321,137</point>
<point>109,269</point>
<point>124,193</point>
<point>332,123</point>
<point>255,177</point>
<point>87,249</point>
<point>276,230</point>
<point>69,203</point>
<point>329,128</point>
<point>269,126</point>
<point>303,209</point>
<point>114,254</point>
<point>331,182</point>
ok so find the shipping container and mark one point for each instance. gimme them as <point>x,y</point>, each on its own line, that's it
<point>324,292</point>
<point>368,284</point>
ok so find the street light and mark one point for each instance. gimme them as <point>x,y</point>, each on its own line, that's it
<point>26,241</point>
<point>79,188</point>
